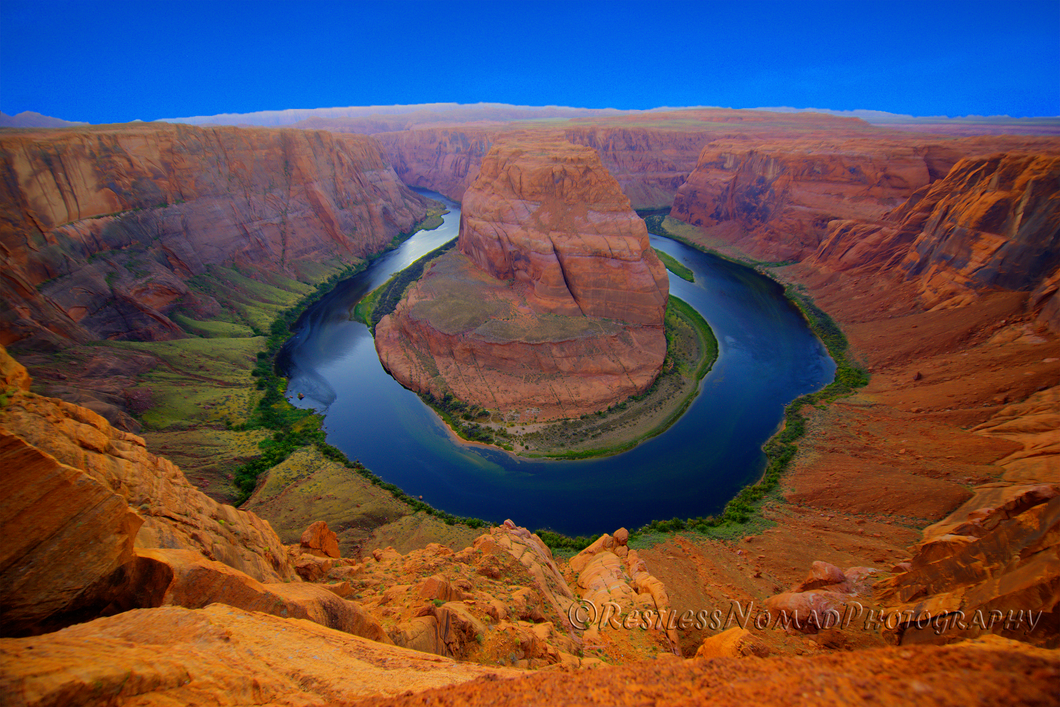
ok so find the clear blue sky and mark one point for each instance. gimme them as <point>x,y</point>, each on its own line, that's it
<point>115,61</point>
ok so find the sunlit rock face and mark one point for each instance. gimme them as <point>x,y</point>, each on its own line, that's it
<point>549,216</point>
<point>992,223</point>
<point>775,199</point>
<point>553,304</point>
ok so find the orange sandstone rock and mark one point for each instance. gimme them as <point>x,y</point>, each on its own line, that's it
<point>992,222</point>
<point>319,540</point>
<point>980,672</point>
<point>66,539</point>
<point>175,514</point>
<point>186,578</point>
<point>736,642</point>
<point>775,199</point>
<point>218,655</point>
<point>548,215</point>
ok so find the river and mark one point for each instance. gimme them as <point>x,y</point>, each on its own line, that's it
<point>767,357</point>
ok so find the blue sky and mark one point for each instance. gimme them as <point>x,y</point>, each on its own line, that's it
<point>115,61</point>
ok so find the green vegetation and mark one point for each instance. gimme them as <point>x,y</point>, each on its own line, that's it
<point>663,225</point>
<point>293,429</point>
<point>199,381</point>
<point>464,420</point>
<point>564,543</point>
<point>254,298</point>
<point>212,328</point>
<point>661,212</point>
<point>383,300</point>
<point>435,211</point>
<point>674,266</point>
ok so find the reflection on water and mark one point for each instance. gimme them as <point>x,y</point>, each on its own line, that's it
<point>767,358</point>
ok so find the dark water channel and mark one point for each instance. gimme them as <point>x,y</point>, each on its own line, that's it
<point>767,358</point>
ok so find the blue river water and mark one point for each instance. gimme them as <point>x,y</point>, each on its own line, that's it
<point>768,357</point>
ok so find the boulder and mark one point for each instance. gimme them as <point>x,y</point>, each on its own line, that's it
<point>736,642</point>
<point>195,582</point>
<point>320,541</point>
<point>821,575</point>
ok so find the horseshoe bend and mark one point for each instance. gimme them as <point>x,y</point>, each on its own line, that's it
<point>179,528</point>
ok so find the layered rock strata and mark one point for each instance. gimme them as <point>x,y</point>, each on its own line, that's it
<point>651,154</point>
<point>782,196</point>
<point>991,223</point>
<point>100,228</point>
<point>553,305</point>
<point>650,163</point>
<point>777,199</point>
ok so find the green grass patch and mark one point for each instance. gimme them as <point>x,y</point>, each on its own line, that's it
<point>391,293</point>
<point>252,302</point>
<point>676,267</point>
<point>212,328</point>
<point>362,311</point>
<point>198,381</point>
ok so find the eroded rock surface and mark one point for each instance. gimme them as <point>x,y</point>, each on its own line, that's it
<point>66,538</point>
<point>217,655</point>
<point>992,222</point>
<point>781,199</point>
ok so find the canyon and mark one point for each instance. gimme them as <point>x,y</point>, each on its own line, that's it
<point>553,304</point>
<point>935,486</point>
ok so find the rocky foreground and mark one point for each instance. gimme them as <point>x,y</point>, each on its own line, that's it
<point>553,305</point>
<point>122,584</point>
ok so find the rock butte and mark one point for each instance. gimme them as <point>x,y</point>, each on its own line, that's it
<point>938,481</point>
<point>553,305</point>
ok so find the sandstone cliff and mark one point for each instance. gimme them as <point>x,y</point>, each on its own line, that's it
<point>554,305</point>
<point>775,199</point>
<point>650,153</point>
<point>95,525</point>
<point>782,197</point>
<point>445,160</point>
<point>100,228</point>
<point>992,222</point>
<point>650,163</point>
